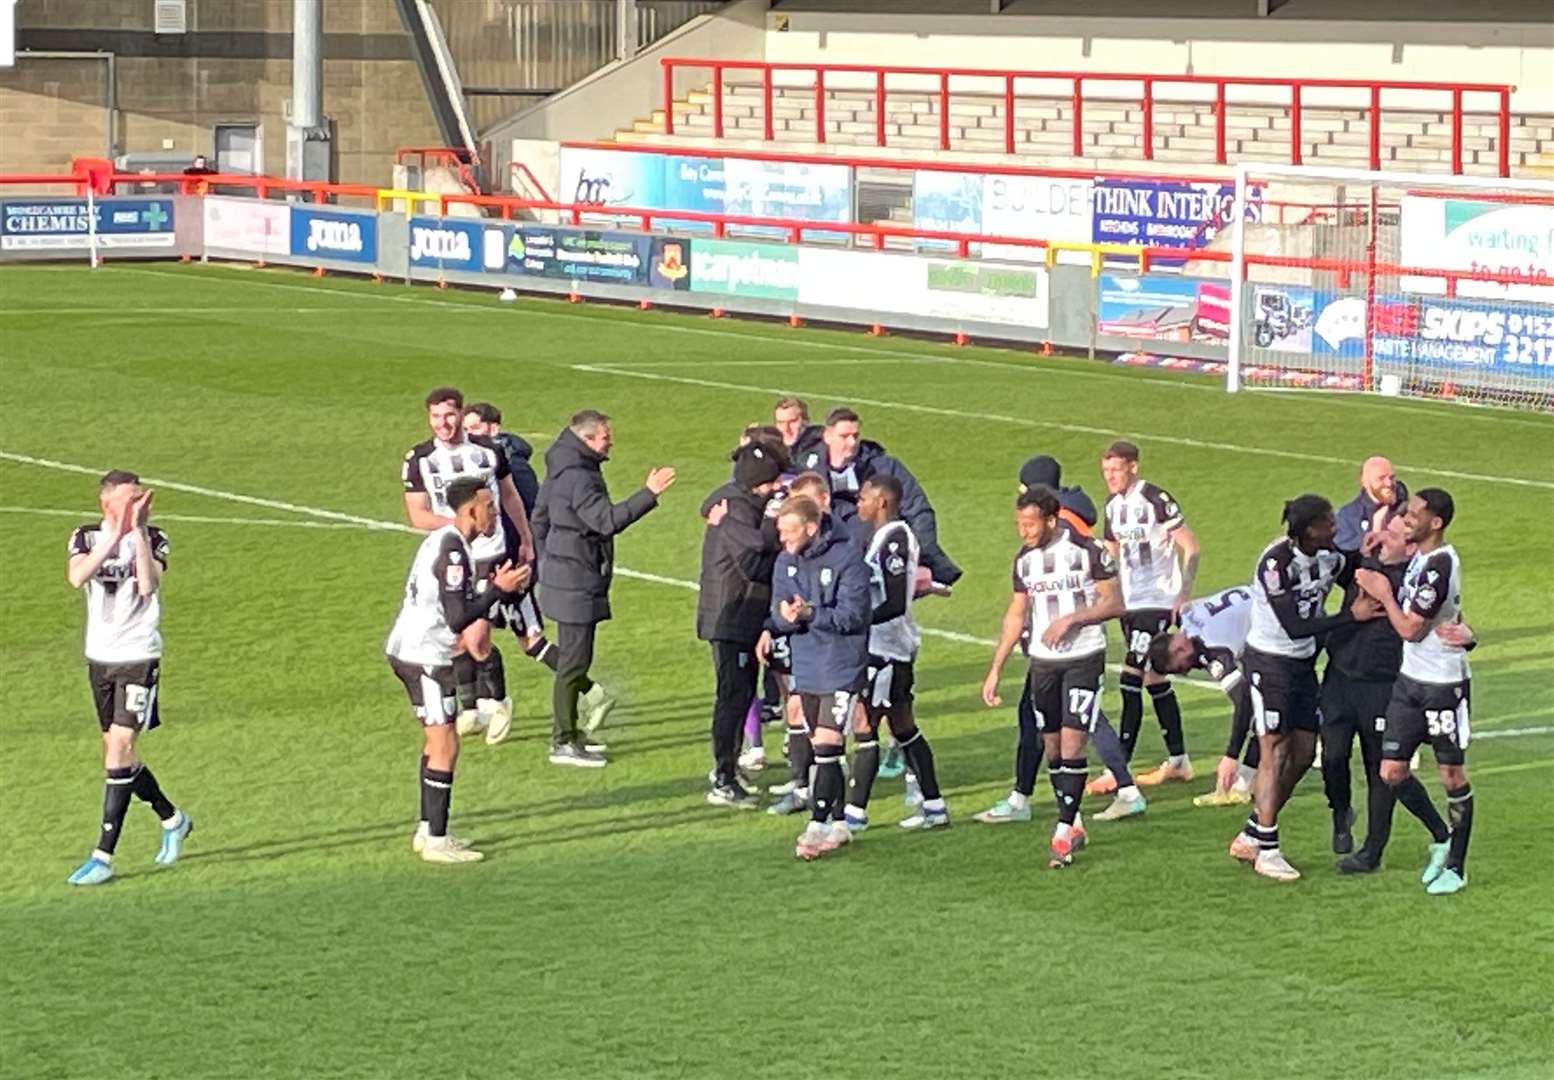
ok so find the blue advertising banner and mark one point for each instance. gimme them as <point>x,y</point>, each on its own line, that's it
<point>1164,307</point>
<point>582,254</point>
<point>1485,335</point>
<point>53,224</point>
<point>331,234</point>
<point>946,202</point>
<point>448,243</point>
<point>1164,213</point>
<point>719,185</point>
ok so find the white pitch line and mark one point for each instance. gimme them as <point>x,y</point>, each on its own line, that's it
<point>1056,425</point>
<point>1510,733</point>
<point>353,521</point>
<point>87,515</point>
<point>78,313</point>
<point>213,493</point>
<point>1066,366</point>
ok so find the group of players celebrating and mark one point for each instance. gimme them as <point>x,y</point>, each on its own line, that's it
<point>857,543</point>
<point>813,556</point>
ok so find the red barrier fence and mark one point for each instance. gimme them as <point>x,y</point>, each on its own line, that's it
<point>1076,82</point>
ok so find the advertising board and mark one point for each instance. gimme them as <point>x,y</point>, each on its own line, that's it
<point>55,224</point>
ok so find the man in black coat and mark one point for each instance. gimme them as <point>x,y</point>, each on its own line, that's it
<point>574,534</point>
<point>847,461</point>
<point>737,553</point>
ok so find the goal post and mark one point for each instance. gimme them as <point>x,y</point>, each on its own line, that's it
<point>1418,285</point>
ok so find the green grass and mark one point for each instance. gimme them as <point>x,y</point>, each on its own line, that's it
<point>619,927</point>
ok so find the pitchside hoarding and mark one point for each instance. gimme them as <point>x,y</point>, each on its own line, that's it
<point>737,268</point>
<point>1163,307</point>
<point>54,224</point>
<point>720,185</point>
<point>329,234</point>
<point>247,226</point>
<point>1479,234</point>
<point>958,290</point>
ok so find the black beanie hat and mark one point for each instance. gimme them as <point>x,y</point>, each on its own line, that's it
<point>755,465</point>
<point>1040,469</point>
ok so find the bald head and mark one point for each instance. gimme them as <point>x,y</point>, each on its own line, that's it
<point>1377,481</point>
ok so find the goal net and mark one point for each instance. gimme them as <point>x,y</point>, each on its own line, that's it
<point>1417,285</point>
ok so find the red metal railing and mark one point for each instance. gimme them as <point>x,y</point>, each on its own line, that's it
<point>1075,82</point>
<point>459,160</point>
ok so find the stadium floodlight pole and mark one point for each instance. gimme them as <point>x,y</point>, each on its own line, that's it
<point>1237,281</point>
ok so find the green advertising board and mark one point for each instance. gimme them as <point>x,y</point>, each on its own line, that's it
<point>736,268</point>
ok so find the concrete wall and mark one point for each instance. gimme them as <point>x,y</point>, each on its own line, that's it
<point>615,96</point>
<point>1519,53</point>
<point>232,67</point>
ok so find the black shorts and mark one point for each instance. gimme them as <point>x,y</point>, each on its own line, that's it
<point>520,615</point>
<point>832,711</point>
<point>1427,712</point>
<point>1138,630</point>
<point>1067,693</point>
<point>780,658</point>
<point>433,694</point>
<point>888,699</point>
<point>125,694</point>
<point>1283,690</point>
<point>1360,702</point>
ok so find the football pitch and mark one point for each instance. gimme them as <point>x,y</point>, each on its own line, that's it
<point>619,927</point>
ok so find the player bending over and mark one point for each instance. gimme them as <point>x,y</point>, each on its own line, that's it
<point>1211,639</point>
<point>441,601</point>
<point>119,562</point>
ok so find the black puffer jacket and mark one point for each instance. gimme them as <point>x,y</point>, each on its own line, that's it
<point>574,531</point>
<point>736,568</point>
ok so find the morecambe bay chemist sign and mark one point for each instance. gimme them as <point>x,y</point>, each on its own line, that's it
<point>67,224</point>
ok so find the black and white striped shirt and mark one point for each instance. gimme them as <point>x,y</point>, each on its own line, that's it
<point>1059,579</point>
<point>1140,521</point>
<point>432,465</point>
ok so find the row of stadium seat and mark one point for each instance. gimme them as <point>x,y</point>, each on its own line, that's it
<point>1113,130</point>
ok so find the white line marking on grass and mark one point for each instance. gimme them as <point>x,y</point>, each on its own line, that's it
<point>353,521</point>
<point>1025,421</point>
<point>534,304</point>
<point>1512,733</point>
<point>78,313</point>
<point>199,519</point>
<point>212,493</point>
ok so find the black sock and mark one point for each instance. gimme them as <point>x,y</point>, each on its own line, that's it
<point>1169,713</point>
<point>1132,711</point>
<point>919,757</point>
<point>546,653</point>
<point>1070,784</point>
<point>866,766</point>
<point>420,784</point>
<point>1055,778</point>
<point>1380,798</point>
<point>436,794</point>
<point>146,789</point>
<point>826,792</point>
<point>1265,836</point>
<point>490,678</point>
<point>1416,800</point>
<point>1459,809</point>
<point>116,799</point>
<point>801,755</point>
<point>466,679</point>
